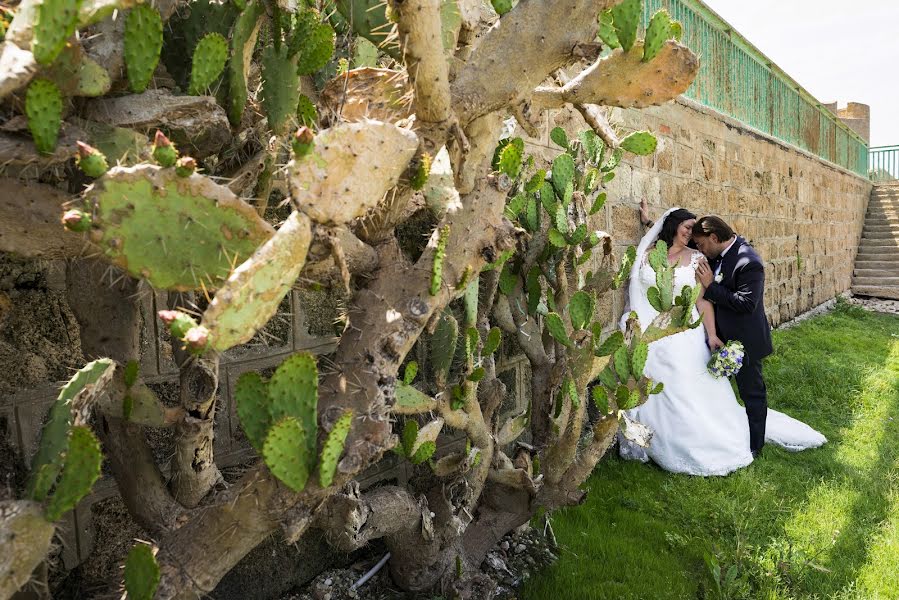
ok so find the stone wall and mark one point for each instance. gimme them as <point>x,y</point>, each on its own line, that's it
<point>804,216</point>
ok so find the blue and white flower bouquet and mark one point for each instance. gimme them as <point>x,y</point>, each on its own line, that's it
<point>727,360</point>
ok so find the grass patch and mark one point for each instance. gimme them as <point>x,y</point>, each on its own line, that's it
<point>819,524</point>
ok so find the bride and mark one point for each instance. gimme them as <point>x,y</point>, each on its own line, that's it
<point>698,426</point>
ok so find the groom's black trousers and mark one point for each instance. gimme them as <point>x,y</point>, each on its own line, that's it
<point>755,398</point>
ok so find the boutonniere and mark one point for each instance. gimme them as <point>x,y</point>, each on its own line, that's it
<point>719,277</point>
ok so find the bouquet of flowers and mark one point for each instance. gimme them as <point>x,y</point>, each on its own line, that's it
<point>726,362</point>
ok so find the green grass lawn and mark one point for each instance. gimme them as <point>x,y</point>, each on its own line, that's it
<point>822,523</point>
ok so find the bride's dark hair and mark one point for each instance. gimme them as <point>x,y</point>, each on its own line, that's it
<point>672,222</point>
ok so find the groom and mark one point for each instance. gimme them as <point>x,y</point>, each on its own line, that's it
<point>734,278</point>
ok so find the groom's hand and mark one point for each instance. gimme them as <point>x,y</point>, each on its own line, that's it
<point>704,272</point>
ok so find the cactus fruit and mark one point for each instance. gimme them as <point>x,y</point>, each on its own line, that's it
<point>607,30</point>
<point>333,448</point>
<point>164,151</point>
<point>410,401</point>
<point>286,453</point>
<point>556,328</point>
<point>143,43</point>
<point>54,23</point>
<point>350,169</point>
<point>141,573</point>
<point>43,107</point>
<point>209,60</point>
<point>81,390</point>
<point>658,31</point>
<point>312,42</point>
<point>76,220</point>
<point>641,143</point>
<point>626,17</point>
<point>253,406</point>
<point>439,254</point>
<point>178,322</point>
<point>303,142</point>
<point>185,166</point>
<point>91,161</point>
<point>581,307</point>
<point>307,114</point>
<point>179,233</point>
<point>243,40</point>
<point>80,471</point>
<point>443,347</point>
<point>562,174</point>
<point>280,88</point>
<point>254,290</point>
<point>293,390</point>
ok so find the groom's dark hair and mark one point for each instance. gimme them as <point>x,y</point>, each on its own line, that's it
<point>672,222</point>
<point>706,226</point>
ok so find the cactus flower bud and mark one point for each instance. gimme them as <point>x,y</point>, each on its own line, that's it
<point>90,160</point>
<point>76,220</point>
<point>185,166</point>
<point>164,151</point>
<point>178,322</point>
<point>196,339</point>
<point>303,141</point>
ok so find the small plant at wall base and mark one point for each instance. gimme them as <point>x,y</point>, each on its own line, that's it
<point>511,252</point>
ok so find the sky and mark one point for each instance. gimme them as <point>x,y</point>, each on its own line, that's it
<point>837,50</point>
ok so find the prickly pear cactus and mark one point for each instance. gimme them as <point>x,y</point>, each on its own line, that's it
<point>141,573</point>
<point>80,391</point>
<point>143,43</point>
<point>286,453</point>
<point>410,401</point>
<point>79,473</point>
<point>439,253</point>
<point>307,114</point>
<point>178,233</point>
<point>280,88</point>
<point>43,107</point>
<point>626,17</point>
<point>164,151</point>
<point>54,24</point>
<point>293,390</point>
<point>556,328</point>
<point>208,62</point>
<point>607,30</point>
<point>563,174</point>
<point>370,20</point>
<point>243,40</point>
<point>255,289</point>
<point>333,448</point>
<point>253,408</point>
<point>581,308</point>
<point>312,41</point>
<point>657,32</point>
<point>91,161</point>
<point>641,143</point>
<point>443,347</point>
<point>501,6</point>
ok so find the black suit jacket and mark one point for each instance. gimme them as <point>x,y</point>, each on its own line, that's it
<point>739,300</point>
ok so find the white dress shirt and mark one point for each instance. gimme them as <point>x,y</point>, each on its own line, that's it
<point>723,252</point>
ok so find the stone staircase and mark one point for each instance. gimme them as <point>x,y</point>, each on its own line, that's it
<point>877,264</point>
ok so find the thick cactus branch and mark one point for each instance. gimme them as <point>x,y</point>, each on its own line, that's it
<point>25,536</point>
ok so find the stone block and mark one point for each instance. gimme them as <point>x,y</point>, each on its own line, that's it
<point>626,223</point>
<point>684,159</point>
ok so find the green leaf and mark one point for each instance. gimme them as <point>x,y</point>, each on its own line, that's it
<point>611,344</point>
<point>556,328</point>
<point>494,337</point>
<point>410,372</point>
<point>141,573</point>
<point>581,308</point>
<point>608,177</point>
<point>658,388</point>
<point>559,136</point>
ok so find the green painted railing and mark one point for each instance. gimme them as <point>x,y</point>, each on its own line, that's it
<point>735,78</point>
<point>883,163</point>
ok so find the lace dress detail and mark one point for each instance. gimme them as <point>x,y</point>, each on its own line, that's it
<point>699,427</point>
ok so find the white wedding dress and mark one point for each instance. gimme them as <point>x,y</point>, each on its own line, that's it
<point>698,426</point>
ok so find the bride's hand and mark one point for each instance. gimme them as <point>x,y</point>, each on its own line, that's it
<point>644,213</point>
<point>715,343</point>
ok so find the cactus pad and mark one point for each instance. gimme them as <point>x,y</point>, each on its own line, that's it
<point>626,17</point>
<point>439,254</point>
<point>293,390</point>
<point>179,233</point>
<point>621,361</point>
<point>286,453</point>
<point>81,470</point>
<point>141,573</point>
<point>333,448</point>
<point>243,40</point>
<point>409,401</point>
<point>491,345</point>
<point>641,143</point>
<point>423,453</point>
<point>443,346</point>
<point>638,359</point>
<point>350,169</point>
<point>369,19</point>
<point>562,174</point>
<point>607,30</point>
<point>581,308</point>
<point>657,32</point>
<point>253,406</point>
<point>43,107</point>
<point>143,43</point>
<point>611,344</point>
<point>556,328</point>
<point>312,42</point>
<point>54,24</point>
<point>280,88</point>
<point>93,79</point>
<point>601,399</point>
<point>255,289</point>
<point>209,59</point>
<point>81,390</point>
<point>307,114</point>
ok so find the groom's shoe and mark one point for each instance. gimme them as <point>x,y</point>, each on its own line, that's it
<point>756,453</point>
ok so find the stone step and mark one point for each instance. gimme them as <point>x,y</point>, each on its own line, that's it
<point>885,242</point>
<point>890,281</point>
<point>876,291</point>
<point>885,226</point>
<point>891,264</point>
<point>880,235</point>
<point>878,215</point>
<point>863,271</point>
<point>882,207</point>
<point>878,254</point>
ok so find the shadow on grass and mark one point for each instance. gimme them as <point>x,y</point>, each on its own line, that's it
<point>643,532</point>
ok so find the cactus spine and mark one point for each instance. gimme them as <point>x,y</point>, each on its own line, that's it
<point>143,43</point>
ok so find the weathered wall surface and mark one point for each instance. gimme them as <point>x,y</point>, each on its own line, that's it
<point>802,215</point>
